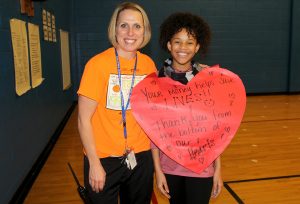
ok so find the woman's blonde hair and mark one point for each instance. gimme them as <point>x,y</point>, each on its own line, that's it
<point>114,18</point>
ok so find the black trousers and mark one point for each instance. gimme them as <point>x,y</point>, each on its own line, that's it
<point>132,186</point>
<point>189,190</point>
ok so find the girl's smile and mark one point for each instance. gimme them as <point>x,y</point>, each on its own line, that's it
<point>183,46</point>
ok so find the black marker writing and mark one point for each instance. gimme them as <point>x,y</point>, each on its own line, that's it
<point>149,94</point>
<point>198,151</point>
<point>221,115</point>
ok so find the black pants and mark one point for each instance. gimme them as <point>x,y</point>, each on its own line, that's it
<point>189,190</point>
<point>133,186</point>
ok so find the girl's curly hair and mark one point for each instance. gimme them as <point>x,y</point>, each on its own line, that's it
<point>193,24</point>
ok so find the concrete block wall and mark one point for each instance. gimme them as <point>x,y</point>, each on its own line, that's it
<point>251,38</point>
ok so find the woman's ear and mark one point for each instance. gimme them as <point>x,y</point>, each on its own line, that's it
<point>169,46</point>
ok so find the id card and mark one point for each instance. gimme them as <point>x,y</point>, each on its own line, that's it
<point>131,160</point>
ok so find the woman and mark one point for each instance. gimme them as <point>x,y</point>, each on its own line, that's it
<point>117,151</point>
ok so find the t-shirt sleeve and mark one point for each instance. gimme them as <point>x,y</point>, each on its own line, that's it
<point>91,81</point>
<point>152,66</point>
<point>149,63</point>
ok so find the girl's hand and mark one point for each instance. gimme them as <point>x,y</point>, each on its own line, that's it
<point>161,183</point>
<point>217,184</point>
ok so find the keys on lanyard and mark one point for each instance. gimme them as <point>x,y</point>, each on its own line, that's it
<point>129,156</point>
<point>129,159</point>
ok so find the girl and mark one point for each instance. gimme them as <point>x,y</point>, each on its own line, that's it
<point>184,35</point>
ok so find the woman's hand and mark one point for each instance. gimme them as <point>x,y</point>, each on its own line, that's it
<point>161,183</point>
<point>86,110</point>
<point>97,176</point>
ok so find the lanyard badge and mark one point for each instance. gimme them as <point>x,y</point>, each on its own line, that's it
<point>128,157</point>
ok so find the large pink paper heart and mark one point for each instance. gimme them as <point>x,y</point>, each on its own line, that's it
<point>193,123</point>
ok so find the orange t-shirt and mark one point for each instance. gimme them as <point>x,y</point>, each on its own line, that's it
<point>100,82</point>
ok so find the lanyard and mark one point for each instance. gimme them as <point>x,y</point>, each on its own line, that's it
<point>124,108</point>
